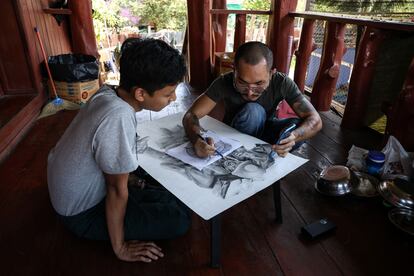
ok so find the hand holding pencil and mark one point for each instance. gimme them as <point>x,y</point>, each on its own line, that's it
<point>211,143</point>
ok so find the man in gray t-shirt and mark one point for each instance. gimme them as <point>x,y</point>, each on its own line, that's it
<point>250,96</point>
<point>88,169</point>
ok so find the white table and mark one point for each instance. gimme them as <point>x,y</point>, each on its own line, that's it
<point>222,184</point>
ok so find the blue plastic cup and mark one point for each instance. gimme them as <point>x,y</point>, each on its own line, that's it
<point>374,162</point>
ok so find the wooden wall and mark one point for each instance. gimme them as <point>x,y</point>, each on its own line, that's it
<point>56,39</point>
<point>20,64</point>
<point>20,53</point>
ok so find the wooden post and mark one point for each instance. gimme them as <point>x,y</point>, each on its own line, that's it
<point>401,116</point>
<point>219,23</point>
<point>81,26</point>
<point>199,37</point>
<point>325,81</point>
<point>362,74</point>
<point>304,52</point>
<point>280,28</point>
<point>240,31</point>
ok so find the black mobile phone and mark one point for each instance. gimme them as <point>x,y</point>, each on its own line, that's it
<point>318,228</point>
<point>285,132</point>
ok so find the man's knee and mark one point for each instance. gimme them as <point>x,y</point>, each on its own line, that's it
<point>250,119</point>
<point>254,112</point>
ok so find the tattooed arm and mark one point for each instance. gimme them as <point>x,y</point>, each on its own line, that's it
<point>201,107</point>
<point>311,124</point>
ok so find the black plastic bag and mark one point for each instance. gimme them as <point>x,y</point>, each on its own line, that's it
<point>74,67</point>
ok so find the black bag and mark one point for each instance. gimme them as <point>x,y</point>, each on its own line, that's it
<point>74,67</point>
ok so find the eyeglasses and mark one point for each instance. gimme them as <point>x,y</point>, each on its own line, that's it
<point>244,88</point>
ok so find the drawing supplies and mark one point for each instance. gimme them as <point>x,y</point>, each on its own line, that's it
<point>216,151</point>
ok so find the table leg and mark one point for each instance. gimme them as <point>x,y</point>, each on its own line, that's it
<point>215,241</point>
<point>278,201</point>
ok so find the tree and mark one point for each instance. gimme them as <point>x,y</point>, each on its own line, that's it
<point>263,5</point>
<point>164,14</point>
<point>364,6</point>
<point>112,15</point>
<point>256,21</point>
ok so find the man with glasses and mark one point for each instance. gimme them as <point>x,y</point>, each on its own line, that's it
<point>250,95</point>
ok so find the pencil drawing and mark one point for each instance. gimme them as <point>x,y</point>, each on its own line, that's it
<point>225,177</point>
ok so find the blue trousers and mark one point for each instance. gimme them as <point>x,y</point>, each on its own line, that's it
<point>252,120</point>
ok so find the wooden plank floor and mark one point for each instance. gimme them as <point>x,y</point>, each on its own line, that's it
<point>33,242</point>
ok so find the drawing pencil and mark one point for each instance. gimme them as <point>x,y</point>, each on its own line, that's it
<point>216,151</point>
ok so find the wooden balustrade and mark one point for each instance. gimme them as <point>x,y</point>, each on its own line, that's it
<point>219,26</point>
<point>240,27</point>
<point>325,82</point>
<point>306,47</point>
<point>360,86</point>
<point>240,31</point>
<point>401,113</point>
<point>279,39</point>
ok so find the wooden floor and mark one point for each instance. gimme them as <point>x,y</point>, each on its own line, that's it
<point>33,242</point>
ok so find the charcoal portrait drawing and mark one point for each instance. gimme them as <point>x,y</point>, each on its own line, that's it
<point>225,177</point>
<point>246,169</point>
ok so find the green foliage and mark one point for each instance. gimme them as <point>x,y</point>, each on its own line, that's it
<point>256,5</point>
<point>107,13</point>
<point>164,14</point>
<point>373,6</point>
<point>261,5</point>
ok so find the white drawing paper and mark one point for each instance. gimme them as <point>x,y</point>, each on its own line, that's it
<point>220,185</point>
<point>185,152</point>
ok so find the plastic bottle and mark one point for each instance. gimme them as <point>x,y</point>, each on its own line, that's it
<point>374,161</point>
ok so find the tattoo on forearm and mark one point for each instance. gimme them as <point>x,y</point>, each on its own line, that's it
<point>194,119</point>
<point>300,132</point>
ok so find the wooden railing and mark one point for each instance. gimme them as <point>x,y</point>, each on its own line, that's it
<point>281,26</point>
<point>240,27</point>
<point>373,37</point>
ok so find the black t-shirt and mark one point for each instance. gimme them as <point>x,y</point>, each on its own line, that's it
<point>281,87</point>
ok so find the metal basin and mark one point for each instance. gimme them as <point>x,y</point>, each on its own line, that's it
<point>398,192</point>
<point>334,181</point>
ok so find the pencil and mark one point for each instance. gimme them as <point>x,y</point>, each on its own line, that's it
<point>215,150</point>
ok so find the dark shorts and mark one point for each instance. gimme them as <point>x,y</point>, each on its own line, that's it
<point>151,214</point>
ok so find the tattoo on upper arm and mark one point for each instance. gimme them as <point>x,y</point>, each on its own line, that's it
<point>303,106</point>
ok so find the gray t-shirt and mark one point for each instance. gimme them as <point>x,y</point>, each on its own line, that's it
<point>281,87</point>
<point>101,138</point>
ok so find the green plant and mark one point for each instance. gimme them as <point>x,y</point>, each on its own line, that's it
<point>164,14</point>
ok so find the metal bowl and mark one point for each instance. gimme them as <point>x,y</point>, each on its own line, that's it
<point>403,219</point>
<point>398,192</point>
<point>334,181</point>
<point>364,185</point>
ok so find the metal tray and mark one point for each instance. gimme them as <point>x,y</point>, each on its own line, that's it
<point>403,219</point>
<point>364,185</point>
<point>394,195</point>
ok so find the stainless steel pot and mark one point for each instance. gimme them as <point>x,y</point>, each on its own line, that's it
<point>334,181</point>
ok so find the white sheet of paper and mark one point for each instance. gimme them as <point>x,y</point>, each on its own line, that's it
<point>186,153</point>
<point>221,184</point>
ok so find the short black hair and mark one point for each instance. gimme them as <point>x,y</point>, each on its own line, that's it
<point>150,64</point>
<point>253,52</point>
